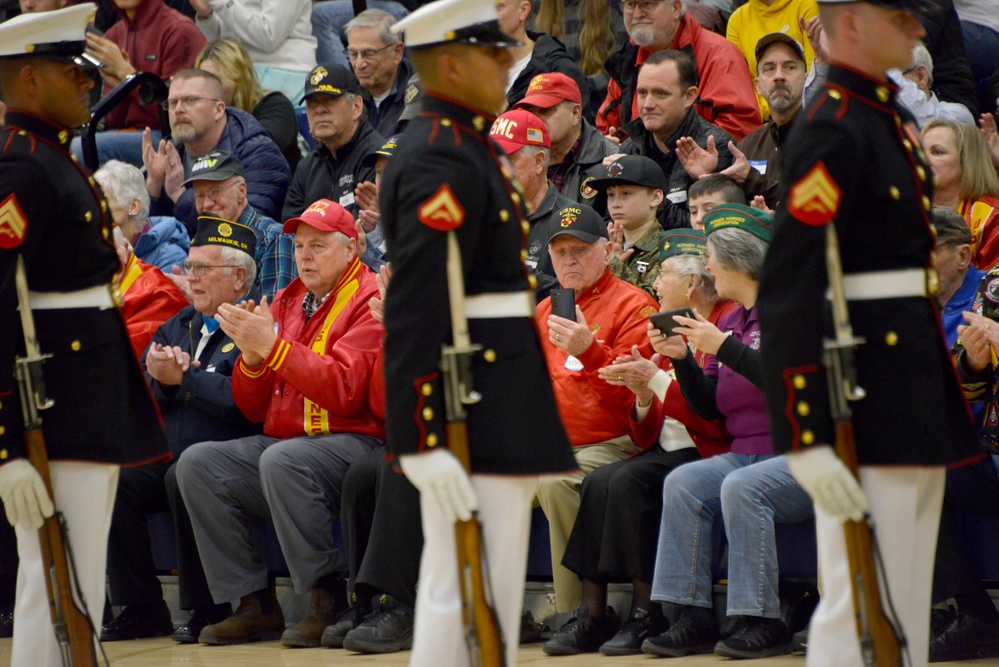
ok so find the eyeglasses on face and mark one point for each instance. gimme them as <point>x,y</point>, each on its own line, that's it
<point>366,54</point>
<point>199,269</point>
<point>215,194</point>
<point>189,101</point>
<point>629,6</point>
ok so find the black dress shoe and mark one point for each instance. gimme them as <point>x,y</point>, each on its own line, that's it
<point>696,631</point>
<point>530,631</point>
<point>628,640</point>
<point>582,633</point>
<point>7,620</point>
<point>388,630</point>
<point>965,638</point>
<point>333,635</point>
<point>756,638</point>
<point>201,618</point>
<point>138,622</point>
<point>799,641</point>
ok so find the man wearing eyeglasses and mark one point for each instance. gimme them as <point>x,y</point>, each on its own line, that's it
<point>339,124</point>
<point>188,367</point>
<point>219,186</point>
<point>376,54</point>
<point>726,95</point>
<point>200,122</point>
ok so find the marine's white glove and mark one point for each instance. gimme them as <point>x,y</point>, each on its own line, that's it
<point>442,480</point>
<point>829,482</point>
<point>24,495</point>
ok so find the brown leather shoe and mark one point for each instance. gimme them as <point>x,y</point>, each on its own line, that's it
<point>308,632</point>
<point>248,624</point>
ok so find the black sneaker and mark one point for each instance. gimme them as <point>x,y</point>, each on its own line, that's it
<point>333,635</point>
<point>696,631</point>
<point>799,641</point>
<point>965,638</point>
<point>629,639</point>
<point>756,638</point>
<point>582,634</point>
<point>201,618</point>
<point>138,622</point>
<point>388,630</point>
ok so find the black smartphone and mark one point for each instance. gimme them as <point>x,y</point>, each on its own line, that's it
<point>665,322</point>
<point>564,303</point>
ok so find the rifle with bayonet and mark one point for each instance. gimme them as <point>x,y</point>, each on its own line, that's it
<point>73,628</point>
<point>482,630</point>
<point>881,640</point>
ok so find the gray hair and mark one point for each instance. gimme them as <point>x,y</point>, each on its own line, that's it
<point>738,250</point>
<point>238,258</point>
<point>375,18</point>
<point>921,56</point>
<point>693,265</point>
<point>538,149</point>
<point>122,183</point>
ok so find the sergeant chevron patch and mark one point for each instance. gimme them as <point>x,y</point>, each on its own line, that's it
<point>442,211</point>
<point>815,198</point>
<point>13,224</point>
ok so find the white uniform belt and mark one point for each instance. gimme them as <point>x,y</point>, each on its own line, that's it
<point>499,304</point>
<point>889,284</point>
<point>98,296</point>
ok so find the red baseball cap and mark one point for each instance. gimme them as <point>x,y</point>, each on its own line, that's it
<point>547,90</point>
<point>326,216</point>
<point>518,128</point>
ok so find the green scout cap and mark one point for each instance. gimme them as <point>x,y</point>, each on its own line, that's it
<point>740,216</point>
<point>683,242</point>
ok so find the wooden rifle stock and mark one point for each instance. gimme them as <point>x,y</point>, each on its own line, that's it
<point>879,641</point>
<point>73,629</point>
<point>482,629</point>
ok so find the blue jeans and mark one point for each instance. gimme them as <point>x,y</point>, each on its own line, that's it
<point>751,493</point>
<point>328,19</point>
<point>117,145</point>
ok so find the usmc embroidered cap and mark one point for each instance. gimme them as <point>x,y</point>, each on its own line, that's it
<point>57,35</point>
<point>518,128</point>
<point>213,230</point>
<point>683,242</point>
<point>326,216</point>
<point>580,221</point>
<point>740,216</point>
<point>471,22</point>
<point>632,170</point>
<point>331,80</point>
<point>547,90</point>
<point>215,166</point>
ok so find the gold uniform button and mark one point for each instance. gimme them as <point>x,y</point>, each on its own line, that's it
<point>426,389</point>
<point>431,440</point>
<point>799,382</point>
<point>489,356</point>
<point>73,158</point>
<point>525,226</point>
<point>504,215</point>
<point>523,255</point>
<point>532,281</point>
<point>515,197</point>
<point>88,216</point>
<point>104,206</point>
<point>932,281</point>
<point>446,122</point>
<point>63,136</point>
<point>479,123</point>
<point>22,133</point>
<point>882,93</point>
<point>907,144</point>
<point>91,181</point>
<point>116,296</point>
<point>3,454</point>
<point>807,437</point>
<point>428,413</point>
<point>891,339</point>
<point>921,173</point>
<point>105,233</point>
<point>835,94</point>
<point>895,192</point>
<point>3,429</point>
<point>75,346</point>
<point>927,204</point>
<point>803,408</point>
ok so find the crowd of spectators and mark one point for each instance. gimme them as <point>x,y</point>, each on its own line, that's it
<point>250,244</point>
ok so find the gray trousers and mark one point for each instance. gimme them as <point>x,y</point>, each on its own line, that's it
<point>231,488</point>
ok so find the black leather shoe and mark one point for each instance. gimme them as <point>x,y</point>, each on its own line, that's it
<point>965,638</point>
<point>530,631</point>
<point>201,618</point>
<point>629,639</point>
<point>799,641</point>
<point>756,638</point>
<point>582,634</point>
<point>138,622</point>
<point>694,632</point>
<point>388,630</point>
<point>353,617</point>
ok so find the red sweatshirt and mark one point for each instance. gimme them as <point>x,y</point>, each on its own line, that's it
<point>616,312</point>
<point>299,391</point>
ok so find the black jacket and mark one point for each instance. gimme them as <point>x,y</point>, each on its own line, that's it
<point>385,118</point>
<point>550,55</point>
<point>952,78</point>
<point>321,175</point>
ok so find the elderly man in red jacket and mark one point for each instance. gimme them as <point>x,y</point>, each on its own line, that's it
<point>304,372</point>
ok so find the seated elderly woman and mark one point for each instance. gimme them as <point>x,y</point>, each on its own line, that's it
<point>749,488</point>
<point>966,181</point>
<point>161,241</point>
<point>616,531</point>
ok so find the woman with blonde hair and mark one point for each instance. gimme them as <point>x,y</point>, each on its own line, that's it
<point>227,59</point>
<point>967,182</point>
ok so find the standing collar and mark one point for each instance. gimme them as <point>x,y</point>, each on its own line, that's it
<point>48,131</point>
<point>474,120</point>
<point>880,94</point>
